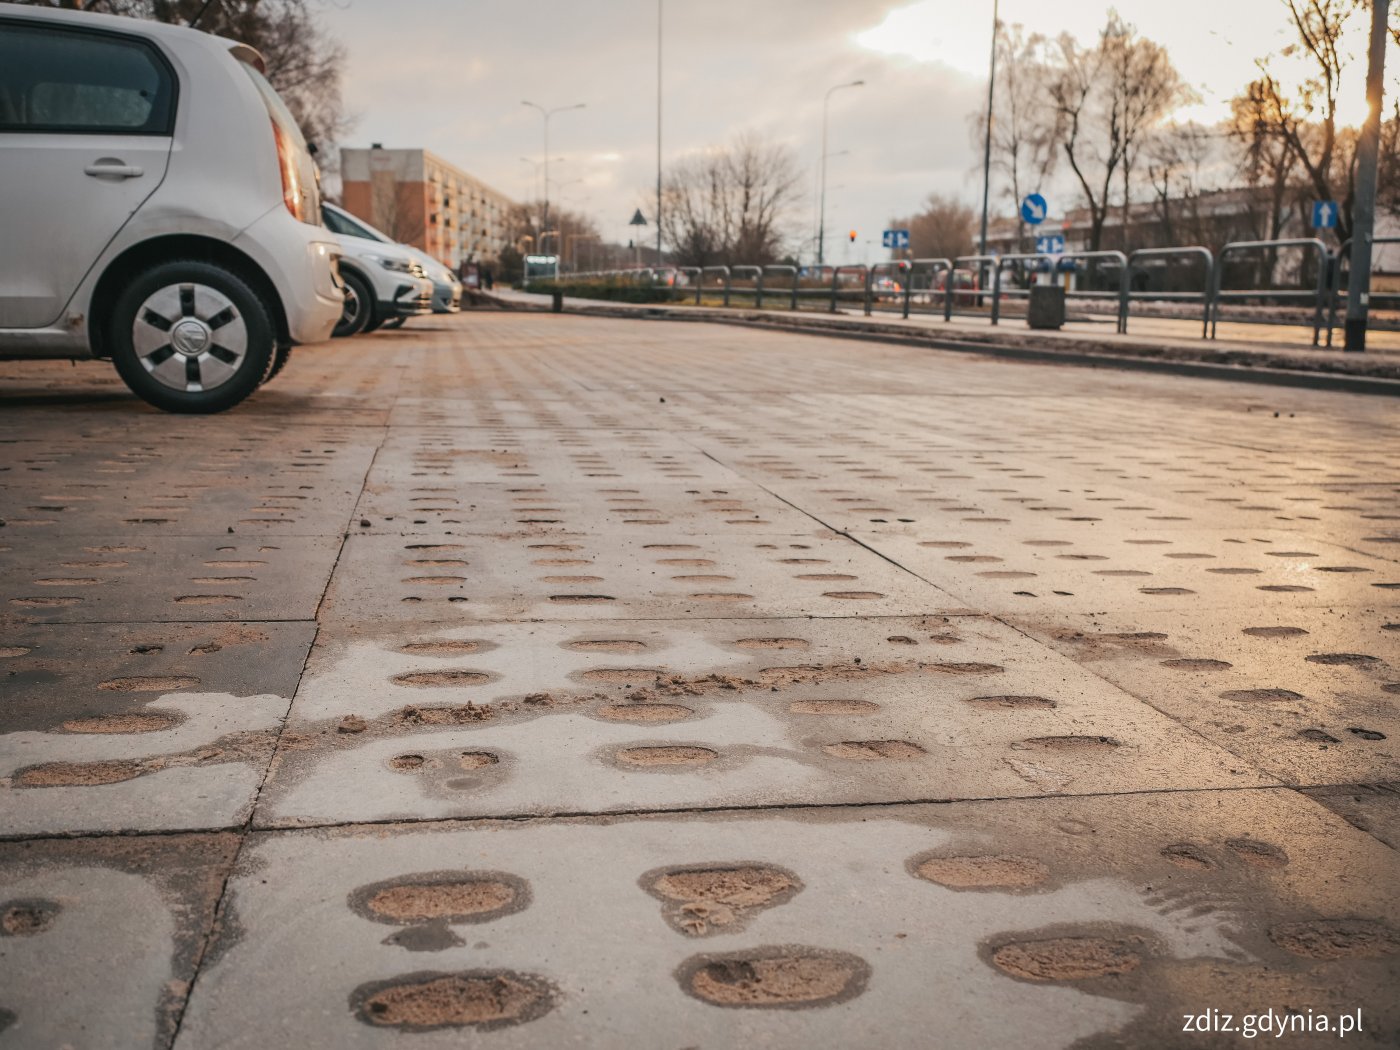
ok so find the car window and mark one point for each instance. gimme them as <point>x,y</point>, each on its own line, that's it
<point>65,80</point>
<point>348,227</point>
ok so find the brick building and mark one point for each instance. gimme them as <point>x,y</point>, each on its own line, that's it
<point>419,199</point>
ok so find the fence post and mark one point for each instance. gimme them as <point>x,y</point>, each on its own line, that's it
<point>1324,283</point>
<point>1123,283</point>
<point>908,288</point>
<point>996,291</point>
<point>948,283</point>
<point>869,288</point>
<point>758,290</point>
<point>728,277</point>
<point>835,276</point>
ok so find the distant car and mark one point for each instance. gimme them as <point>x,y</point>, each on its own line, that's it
<point>885,288</point>
<point>447,288</point>
<point>382,279</point>
<point>965,287</point>
<point>159,208</point>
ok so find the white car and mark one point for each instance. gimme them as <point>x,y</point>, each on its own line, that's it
<point>160,208</point>
<point>383,281</point>
<point>447,289</point>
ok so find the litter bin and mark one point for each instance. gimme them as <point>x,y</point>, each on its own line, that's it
<point>1047,309</point>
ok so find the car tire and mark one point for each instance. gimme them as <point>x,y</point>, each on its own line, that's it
<point>359,305</point>
<point>395,322</point>
<point>279,361</point>
<point>191,336</point>
<point>375,320</point>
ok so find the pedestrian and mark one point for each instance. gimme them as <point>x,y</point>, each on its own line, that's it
<point>488,279</point>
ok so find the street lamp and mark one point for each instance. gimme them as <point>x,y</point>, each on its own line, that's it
<point>987,141</point>
<point>821,223</point>
<point>537,164</point>
<point>547,113</point>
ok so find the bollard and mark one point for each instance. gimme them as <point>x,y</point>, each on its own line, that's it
<point>557,306</point>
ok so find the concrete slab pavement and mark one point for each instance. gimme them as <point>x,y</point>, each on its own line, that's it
<point>619,683</point>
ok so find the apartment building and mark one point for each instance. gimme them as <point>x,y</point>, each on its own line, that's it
<point>418,198</point>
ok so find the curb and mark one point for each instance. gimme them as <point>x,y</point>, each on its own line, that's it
<point>1201,368</point>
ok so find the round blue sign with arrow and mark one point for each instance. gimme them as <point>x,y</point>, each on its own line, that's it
<point>1034,209</point>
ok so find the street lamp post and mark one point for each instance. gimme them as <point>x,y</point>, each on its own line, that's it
<point>537,165</point>
<point>821,224</point>
<point>547,113</point>
<point>987,139</point>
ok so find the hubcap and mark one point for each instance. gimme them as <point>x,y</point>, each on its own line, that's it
<point>350,313</point>
<point>190,337</point>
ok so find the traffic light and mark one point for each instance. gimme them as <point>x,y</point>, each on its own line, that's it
<point>853,236</point>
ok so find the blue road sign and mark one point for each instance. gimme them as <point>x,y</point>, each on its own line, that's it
<point>1324,216</point>
<point>1034,209</point>
<point>895,239</point>
<point>1051,244</point>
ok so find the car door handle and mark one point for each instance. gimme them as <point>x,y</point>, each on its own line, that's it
<point>111,168</point>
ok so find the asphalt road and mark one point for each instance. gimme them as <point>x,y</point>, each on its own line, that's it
<point>559,681</point>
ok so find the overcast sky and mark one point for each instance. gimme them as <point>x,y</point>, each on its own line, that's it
<point>450,75</point>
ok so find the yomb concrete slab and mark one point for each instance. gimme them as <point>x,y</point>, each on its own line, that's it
<point>1003,572</point>
<point>146,727</point>
<point>100,938</point>
<point>1049,923</point>
<point>102,579</point>
<point>551,718</point>
<point>664,574</point>
<point>1308,695</point>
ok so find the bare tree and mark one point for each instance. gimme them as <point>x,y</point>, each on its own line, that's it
<point>1268,163</point>
<point>1024,148</point>
<point>1303,116</point>
<point>943,230</point>
<point>731,205</point>
<point>1108,98</point>
<point>1175,156</point>
<point>304,63</point>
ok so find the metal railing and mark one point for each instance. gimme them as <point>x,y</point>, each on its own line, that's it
<point>1317,296</point>
<point>1338,292</point>
<point>917,283</point>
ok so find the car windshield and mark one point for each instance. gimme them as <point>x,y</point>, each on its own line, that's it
<point>348,226</point>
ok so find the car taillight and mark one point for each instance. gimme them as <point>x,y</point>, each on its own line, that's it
<point>294,194</point>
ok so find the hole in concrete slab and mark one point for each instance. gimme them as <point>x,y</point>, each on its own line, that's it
<point>1012,703</point>
<point>440,679</point>
<point>1189,857</point>
<point>772,643</point>
<point>1341,659</point>
<point>667,755</point>
<point>25,918</point>
<point>701,900</point>
<point>645,712</point>
<point>10,651</point>
<point>1274,632</point>
<point>833,707</point>
<point>480,999</point>
<point>407,763</point>
<point>470,760</point>
<point>622,675</point>
<point>874,750</point>
<point>148,684</point>
<point>1336,939</point>
<point>1067,743</point>
<point>581,599</point>
<point>78,774</point>
<point>1257,854</point>
<point>1261,696</point>
<point>786,977</point>
<point>607,645</point>
<point>721,596</point>
<point>965,668</point>
<point>1317,736</point>
<point>980,871</point>
<point>853,595</point>
<point>1067,958</point>
<point>450,896</point>
<point>444,647</point>
<point>141,722</point>
<point>1197,665</point>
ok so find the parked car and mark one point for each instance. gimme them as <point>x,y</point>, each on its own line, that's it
<point>885,289</point>
<point>160,208</point>
<point>383,279</point>
<point>965,287</point>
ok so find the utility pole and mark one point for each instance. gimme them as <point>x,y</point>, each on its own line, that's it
<point>658,132</point>
<point>987,140</point>
<point>547,113</point>
<point>1363,212</point>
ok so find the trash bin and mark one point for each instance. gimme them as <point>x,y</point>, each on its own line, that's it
<point>558,304</point>
<point>1047,308</point>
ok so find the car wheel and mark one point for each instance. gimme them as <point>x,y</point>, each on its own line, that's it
<point>359,305</point>
<point>191,336</point>
<point>395,322</point>
<point>374,322</point>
